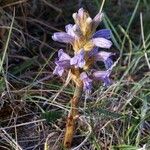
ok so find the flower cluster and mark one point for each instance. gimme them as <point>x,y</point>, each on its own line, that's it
<point>86,42</point>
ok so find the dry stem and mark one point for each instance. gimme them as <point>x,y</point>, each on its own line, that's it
<point>71,120</point>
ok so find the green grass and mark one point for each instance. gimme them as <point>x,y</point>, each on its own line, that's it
<point>34,103</point>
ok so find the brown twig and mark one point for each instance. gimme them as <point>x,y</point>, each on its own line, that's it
<point>71,120</point>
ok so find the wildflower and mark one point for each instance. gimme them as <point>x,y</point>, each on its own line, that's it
<point>81,35</point>
<point>105,33</point>
<point>78,59</point>
<point>72,32</point>
<point>105,57</point>
<point>85,43</point>
<point>62,63</point>
<point>103,76</point>
<point>102,42</point>
<point>87,82</point>
<point>62,37</point>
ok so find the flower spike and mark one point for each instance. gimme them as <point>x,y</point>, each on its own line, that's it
<point>87,44</point>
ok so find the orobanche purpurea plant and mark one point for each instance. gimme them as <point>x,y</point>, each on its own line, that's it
<point>87,44</point>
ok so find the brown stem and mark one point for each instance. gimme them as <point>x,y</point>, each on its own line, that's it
<point>71,120</point>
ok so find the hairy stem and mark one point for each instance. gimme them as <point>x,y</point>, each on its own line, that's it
<point>71,120</point>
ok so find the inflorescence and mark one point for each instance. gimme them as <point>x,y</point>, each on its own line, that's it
<point>86,43</point>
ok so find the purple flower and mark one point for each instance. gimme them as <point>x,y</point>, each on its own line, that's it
<point>62,55</point>
<point>108,63</point>
<point>105,57</point>
<point>104,33</point>
<point>97,19</point>
<point>103,76</point>
<point>93,52</point>
<point>102,56</point>
<point>72,32</point>
<point>62,63</point>
<point>62,37</point>
<point>78,60</point>
<point>102,42</point>
<point>101,38</point>
<point>87,82</point>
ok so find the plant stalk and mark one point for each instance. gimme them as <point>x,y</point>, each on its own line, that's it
<point>72,117</point>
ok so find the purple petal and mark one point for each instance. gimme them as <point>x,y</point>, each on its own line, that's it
<point>104,33</point>
<point>62,55</point>
<point>69,30</point>
<point>93,52</point>
<point>108,63</point>
<point>62,37</point>
<point>87,82</point>
<point>62,63</point>
<point>103,76</point>
<point>105,57</point>
<point>102,42</point>
<point>61,66</point>
<point>58,70</point>
<point>73,30</point>
<point>97,19</point>
<point>78,59</point>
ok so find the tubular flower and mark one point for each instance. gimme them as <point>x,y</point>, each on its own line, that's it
<point>87,82</point>
<point>62,63</point>
<point>78,59</point>
<point>105,57</point>
<point>85,41</point>
<point>105,33</point>
<point>69,36</point>
<point>81,35</point>
<point>62,37</point>
<point>103,76</point>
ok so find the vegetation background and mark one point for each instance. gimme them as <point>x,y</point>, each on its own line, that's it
<point>34,103</point>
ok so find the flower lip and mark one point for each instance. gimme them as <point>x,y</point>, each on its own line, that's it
<point>70,29</point>
<point>73,30</point>
<point>62,55</point>
<point>105,57</point>
<point>102,42</point>
<point>108,63</point>
<point>104,33</point>
<point>58,70</point>
<point>87,82</point>
<point>78,60</point>
<point>103,76</point>
<point>62,63</point>
<point>62,37</point>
